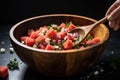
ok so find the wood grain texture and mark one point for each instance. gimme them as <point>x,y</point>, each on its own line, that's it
<point>58,63</point>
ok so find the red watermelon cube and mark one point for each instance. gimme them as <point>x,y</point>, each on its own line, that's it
<point>3,71</point>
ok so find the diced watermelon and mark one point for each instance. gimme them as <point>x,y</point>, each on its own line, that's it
<point>3,71</point>
<point>40,39</point>
<point>84,41</point>
<point>63,25</point>
<point>34,35</point>
<point>61,34</point>
<point>49,47</point>
<point>24,38</point>
<point>42,46</point>
<point>42,28</point>
<point>94,41</point>
<point>71,26</point>
<point>90,42</point>
<point>70,37</point>
<point>28,41</point>
<point>52,34</point>
<point>68,44</point>
<point>30,32</point>
<point>82,47</point>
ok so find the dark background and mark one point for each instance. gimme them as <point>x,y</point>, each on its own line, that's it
<point>13,11</point>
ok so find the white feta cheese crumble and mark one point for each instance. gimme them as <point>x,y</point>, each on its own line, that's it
<point>54,25</point>
<point>2,42</point>
<point>43,31</point>
<point>11,50</point>
<point>10,45</point>
<point>41,34</point>
<point>112,52</point>
<point>2,50</point>
<point>35,46</point>
<point>47,40</point>
<point>63,30</point>
<point>65,38</point>
<point>96,72</point>
<point>22,42</point>
<point>101,70</point>
<point>56,47</point>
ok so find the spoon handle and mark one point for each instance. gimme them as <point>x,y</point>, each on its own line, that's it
<point>88,28</point>
<point>100,21</point>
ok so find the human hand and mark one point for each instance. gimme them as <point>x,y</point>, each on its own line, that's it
<point>113,14</point>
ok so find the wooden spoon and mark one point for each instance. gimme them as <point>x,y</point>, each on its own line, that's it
<point>83,31</point>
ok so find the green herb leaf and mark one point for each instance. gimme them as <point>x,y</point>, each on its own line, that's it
<point>89,37</point>
<point>13,64</point>
<point>67,24</point>
<point>53,43</point>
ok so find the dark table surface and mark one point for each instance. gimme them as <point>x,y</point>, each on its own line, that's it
<point>106,68</point>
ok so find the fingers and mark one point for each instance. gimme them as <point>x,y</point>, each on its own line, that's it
<point>111,24</point>
<point>115,24</point>
<point>114,6</point>
<point>115,13</point>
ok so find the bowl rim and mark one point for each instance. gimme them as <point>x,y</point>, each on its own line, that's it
<point>53,51</point>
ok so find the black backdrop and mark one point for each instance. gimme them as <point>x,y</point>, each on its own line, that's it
<point>13,11</point>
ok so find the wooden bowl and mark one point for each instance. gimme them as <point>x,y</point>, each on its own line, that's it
<point>58,63</point>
